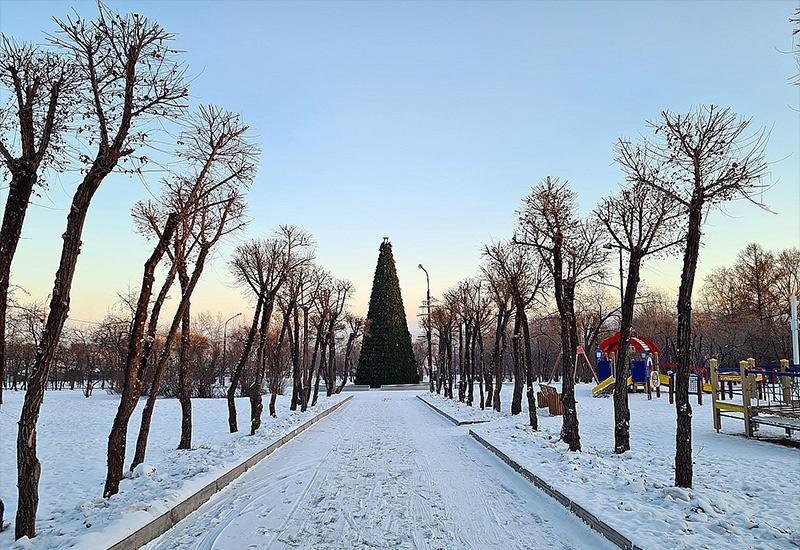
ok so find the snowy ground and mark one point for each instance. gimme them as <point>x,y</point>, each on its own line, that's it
<point>384,472</point>
<point>72,438</point>
<point>389,472</point>
<point>458,411</point>
<point>746,493</point>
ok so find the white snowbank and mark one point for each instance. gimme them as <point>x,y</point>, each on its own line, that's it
<point>746,493</point>
<point>72,439</point>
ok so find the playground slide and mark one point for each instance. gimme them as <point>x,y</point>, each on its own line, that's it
<point>606,387</point>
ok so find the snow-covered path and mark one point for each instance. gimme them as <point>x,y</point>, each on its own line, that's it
<point>384,472</point>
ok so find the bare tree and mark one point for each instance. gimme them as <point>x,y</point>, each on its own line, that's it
<point>33,124</point>
<point>355,328</point>
<point>296,247</point>
<point>443,318</point>
<point>700,160</point>
<point>304,280</point>
<point>569,248</point>
<point>524,279</point>
<point>125,64</point>
<point>342,292</point>
<point>220,216</point>
<point>744,308</point>
<point>257,266</point>
<point>321,303</point>
<point>196,211</point>
<point>502,298</point>
<point>642,221</point>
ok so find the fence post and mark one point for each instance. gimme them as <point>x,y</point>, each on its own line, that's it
<point>671,387</point>
<point>786,383</point>
<point>714,383</point>
<point>699,389</point>
<point>786,386</point>
<point>748,429</point>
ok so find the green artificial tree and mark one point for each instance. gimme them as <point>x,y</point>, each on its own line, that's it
<point>386,355</point>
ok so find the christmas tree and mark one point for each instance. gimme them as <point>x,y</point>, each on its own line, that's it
<point>386,355</point>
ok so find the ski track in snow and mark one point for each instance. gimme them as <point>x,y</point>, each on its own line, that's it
<point>384,472</point>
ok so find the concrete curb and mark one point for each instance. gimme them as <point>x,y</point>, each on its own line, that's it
<point>590,519</point>
<point>170,518</point>
<point>401,387</point>
<point>447,416</point>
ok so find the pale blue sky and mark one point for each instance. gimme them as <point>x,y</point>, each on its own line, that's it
<point>428,122</point>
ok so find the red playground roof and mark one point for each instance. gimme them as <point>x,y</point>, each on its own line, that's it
<point>640,343</point>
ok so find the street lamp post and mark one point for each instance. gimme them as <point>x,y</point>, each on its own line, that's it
<point>225,344</point>
<point>428,330</point>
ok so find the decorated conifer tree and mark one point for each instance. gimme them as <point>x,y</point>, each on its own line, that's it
<point>386,355</point>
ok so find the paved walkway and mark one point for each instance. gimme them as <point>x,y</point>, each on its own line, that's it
<point>386,471</point>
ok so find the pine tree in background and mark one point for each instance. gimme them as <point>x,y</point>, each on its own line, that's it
<point>386,355</point>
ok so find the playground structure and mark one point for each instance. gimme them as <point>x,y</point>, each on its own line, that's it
<point>643,370</point>
<point>767,395</point>
<point>642,366</point>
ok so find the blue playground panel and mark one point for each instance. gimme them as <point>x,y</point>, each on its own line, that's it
<point>603,369</point>
<point>638,372</point>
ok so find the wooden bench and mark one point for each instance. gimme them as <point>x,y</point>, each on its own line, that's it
<point>550,398</point>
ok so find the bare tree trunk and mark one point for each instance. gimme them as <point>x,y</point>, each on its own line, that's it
<point>257,389</point>
<point>276,374</point>
<point>237,371</point>
<point>622,414</point>
<point>482,378</point>
<point>440,366</point>
<point>306,357</point>
<point>322,366</point>
<point>272,399</point>
<point>348,350</point>
<point>469,357</point>
<point>297,378</point>
<point>152,324</point>
<point>331,381</point>
<point>311,371</point>
<point>450,373</point>
<point>497,356</point>
<point>132,383</point>
<point>569,429</point>
<point>185,391</point>
<point>147,412</point>
<point>19,194</point>
<point>461,367</point>
<point>683,409</point>
<point>28,466</point>
<point>519,376</point>
<point>526,343</point>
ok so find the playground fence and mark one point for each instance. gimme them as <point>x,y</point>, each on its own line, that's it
<point>769,395</point>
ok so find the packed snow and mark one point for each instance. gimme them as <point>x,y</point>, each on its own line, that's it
<point>746,492</point>
<point>72,439</point>
<point>386,471</point>
<point>457,411</point>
